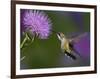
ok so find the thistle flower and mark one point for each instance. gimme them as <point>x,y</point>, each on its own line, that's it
<point>37,22</point>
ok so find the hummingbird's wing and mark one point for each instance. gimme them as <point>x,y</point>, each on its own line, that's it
<point>75,39</point>
<point>73,49</point>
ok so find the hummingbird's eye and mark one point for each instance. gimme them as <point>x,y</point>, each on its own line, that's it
<point>62,35</point>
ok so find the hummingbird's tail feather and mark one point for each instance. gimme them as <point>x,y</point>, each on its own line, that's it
<point>70,55</point>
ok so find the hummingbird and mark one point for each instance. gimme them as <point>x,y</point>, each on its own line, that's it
<point>67,44</point>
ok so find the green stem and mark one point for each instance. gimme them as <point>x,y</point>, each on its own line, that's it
<point>22,58</point>
<point>23,42</point>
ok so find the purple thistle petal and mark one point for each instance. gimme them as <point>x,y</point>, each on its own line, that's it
<point>38,22</point>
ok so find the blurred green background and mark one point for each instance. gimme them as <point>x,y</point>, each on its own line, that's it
<point>47,53</point>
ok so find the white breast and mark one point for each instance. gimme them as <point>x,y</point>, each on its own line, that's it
<point>65,45</point>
